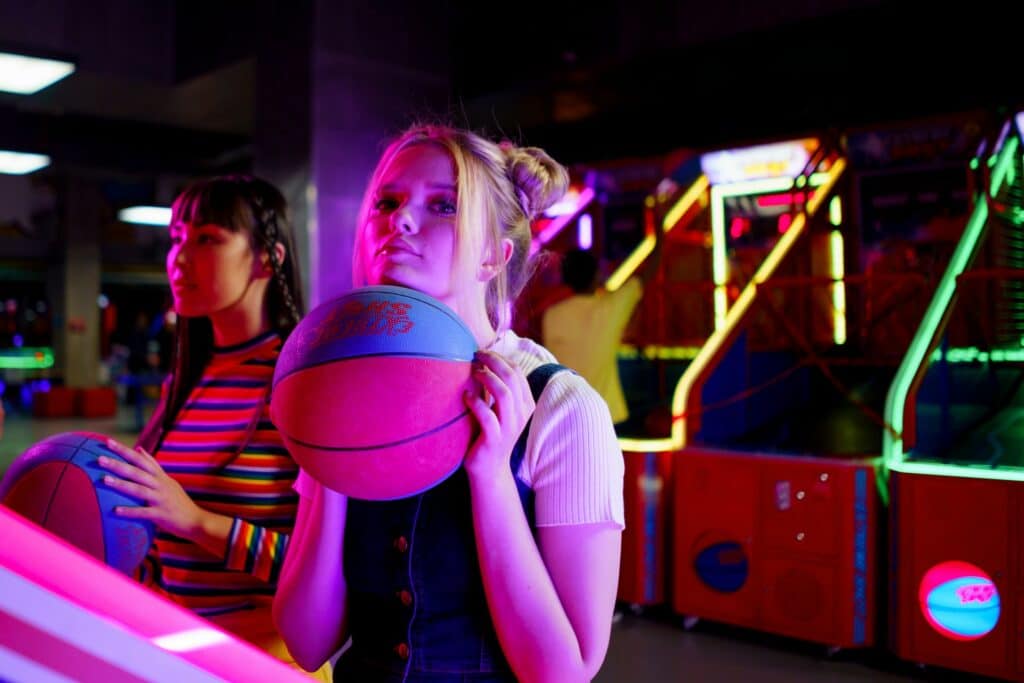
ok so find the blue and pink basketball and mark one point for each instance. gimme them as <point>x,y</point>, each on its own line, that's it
<point>58,484</point>
<point>959,600</point>
<point>368,392</point>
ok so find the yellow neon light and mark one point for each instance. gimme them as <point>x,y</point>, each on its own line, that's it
<point>719,260</point>
<point>629,266</point>
<point>838,272</point>
<point>711,349</point>
<point>647,445</point>
<point>835,211</point>
<point>643,250</point>
<point>753,187</point>
<point>678,436</point>
<point>679,209</point>
<point>628,352</point>
<point>721,301</point>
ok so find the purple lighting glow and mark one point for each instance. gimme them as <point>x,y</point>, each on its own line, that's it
<point>585,232</point>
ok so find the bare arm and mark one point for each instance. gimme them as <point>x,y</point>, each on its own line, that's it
<point>583,562</point>
<point>310,605</point>
<point>551,604</point>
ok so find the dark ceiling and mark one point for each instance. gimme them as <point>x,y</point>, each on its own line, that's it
<point>587,81</point>
<point>847,68</point>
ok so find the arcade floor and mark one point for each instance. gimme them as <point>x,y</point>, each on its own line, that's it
<point>656,649</point>
<point>644,648</point>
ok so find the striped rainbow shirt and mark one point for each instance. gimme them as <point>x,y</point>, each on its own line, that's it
<point>255,488</point>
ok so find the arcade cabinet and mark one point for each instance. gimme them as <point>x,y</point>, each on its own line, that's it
<point>955,455</point>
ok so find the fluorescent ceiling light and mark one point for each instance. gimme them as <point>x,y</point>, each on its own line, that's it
<point>19,163</point>
<point>25,75</point>
<point>146,215</point>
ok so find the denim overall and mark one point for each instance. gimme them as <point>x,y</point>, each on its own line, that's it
<point>416,598</point>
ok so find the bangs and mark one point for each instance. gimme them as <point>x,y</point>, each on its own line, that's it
<point>212,202</point>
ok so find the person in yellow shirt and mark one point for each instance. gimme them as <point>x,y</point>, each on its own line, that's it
<point>584,331</point>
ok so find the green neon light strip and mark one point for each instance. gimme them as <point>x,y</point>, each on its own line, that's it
<point>28,358</point>
<point>1004,473</point>
<point>895,403</point>
<point>972,354</point>
<point>999,174</point>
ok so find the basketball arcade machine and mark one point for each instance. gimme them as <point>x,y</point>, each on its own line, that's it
<point>734,212</point>
<point>954,457</point>
<point>765,534</point>
<point>650,361</point>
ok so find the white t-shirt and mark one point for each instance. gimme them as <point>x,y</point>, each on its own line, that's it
<point>573,461</point>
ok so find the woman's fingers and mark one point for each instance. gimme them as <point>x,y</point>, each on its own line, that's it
<point>130,488</point>
<point>127,471</point>
<point>136,456</point>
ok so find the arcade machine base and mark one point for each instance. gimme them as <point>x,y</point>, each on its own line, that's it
<point>790,550</point>
<point>645,539</point>
<point>957,569</point>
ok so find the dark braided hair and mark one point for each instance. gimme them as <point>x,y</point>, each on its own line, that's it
<point>240,203</point>
<point>286,297</point>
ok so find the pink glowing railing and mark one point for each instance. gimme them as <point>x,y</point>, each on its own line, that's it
<point>66,616</point>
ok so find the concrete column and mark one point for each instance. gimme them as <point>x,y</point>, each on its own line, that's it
<point>76,287</point>
<point>342,77</point>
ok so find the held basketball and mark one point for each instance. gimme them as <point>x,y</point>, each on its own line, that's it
<point>58,484</point>
<point>368,393</point>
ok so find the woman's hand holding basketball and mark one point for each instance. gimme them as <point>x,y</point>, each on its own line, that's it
<point>167,504</point>
<point>502,408</point>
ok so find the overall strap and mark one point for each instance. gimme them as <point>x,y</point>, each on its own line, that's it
<point>538,379</point>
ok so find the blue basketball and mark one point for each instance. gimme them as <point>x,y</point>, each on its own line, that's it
<point>58,484</point>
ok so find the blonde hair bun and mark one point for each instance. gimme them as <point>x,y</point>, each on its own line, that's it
<point>539,180</point>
